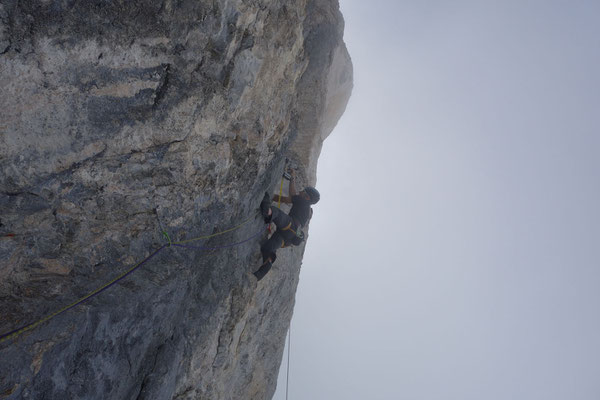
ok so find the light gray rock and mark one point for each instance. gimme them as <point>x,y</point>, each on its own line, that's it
<point>123,119</point>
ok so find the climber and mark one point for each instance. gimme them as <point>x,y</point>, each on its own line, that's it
<point>288,225</point>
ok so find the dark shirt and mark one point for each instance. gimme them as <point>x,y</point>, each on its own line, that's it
<point>300,211</point>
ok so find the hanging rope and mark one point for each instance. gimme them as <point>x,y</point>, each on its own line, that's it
<point>280,193</point>
<point>287,378</point>
<point>19,331</point>
<point>281,186</point>
<point>13,334</point>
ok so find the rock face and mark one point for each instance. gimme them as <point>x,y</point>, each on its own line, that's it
<point>124,119</point>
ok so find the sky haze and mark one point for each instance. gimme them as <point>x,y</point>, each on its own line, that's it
<point>455,251</point>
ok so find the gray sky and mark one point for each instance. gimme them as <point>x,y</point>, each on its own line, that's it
<point>455,251</point>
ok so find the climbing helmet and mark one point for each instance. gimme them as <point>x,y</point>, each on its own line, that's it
<point>313,194</point>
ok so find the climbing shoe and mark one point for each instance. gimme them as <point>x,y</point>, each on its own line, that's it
<point>262,271</point>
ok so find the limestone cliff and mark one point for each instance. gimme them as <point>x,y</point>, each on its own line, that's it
<point>124,119</point>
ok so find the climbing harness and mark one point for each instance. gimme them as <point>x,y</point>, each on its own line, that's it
<point>17,332</point>
<point>299,234</point>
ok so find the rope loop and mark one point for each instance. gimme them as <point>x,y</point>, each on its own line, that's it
<point>17,332</point>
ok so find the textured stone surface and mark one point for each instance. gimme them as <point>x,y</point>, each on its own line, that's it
<point>121,119</point>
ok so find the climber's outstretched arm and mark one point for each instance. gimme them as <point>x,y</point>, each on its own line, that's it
<point>283,199</point>
<point>292,189</point>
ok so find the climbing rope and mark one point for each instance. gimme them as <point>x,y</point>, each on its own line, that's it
<point>19,331</point>
<point>216,234</point>
<point>165,234</point>
<point>287,377</point>
<point>179,244</point>
<point>281,186</point>
<point>280,193</point>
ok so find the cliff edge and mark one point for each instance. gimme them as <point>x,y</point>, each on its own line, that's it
<point>127,129</point>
